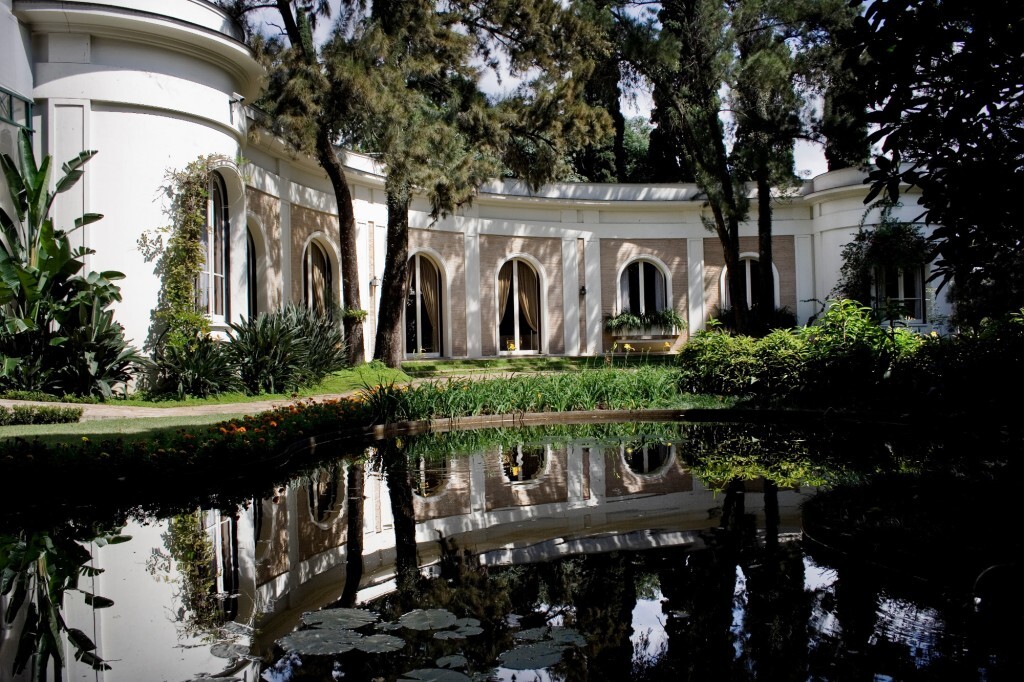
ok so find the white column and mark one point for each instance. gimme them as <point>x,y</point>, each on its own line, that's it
<point>592,273</point>
<point>474,328</point>
<point>695,295</point>
<point>805,305</point>
<point>285,197</point>
<point>570,296</point>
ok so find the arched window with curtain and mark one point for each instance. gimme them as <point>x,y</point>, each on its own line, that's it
<point>317,280</point>
<point>423,322</point>
<point>519,314</point>
<point>212,289</point>
<point>642,288</point>
<point>749,272</point>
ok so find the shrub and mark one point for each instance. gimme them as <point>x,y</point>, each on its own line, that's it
<point>287,349</point>
<point>715,361</point>
<point>38,414</point>
<point>56,332</point>
<point>269,353</point>
<point>200,368</point>
<point>325,340</point>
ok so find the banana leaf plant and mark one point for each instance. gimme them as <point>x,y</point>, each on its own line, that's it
<point>44,298</point>
<point>36,570</point>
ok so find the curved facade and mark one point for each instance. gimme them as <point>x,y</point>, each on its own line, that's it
<point>155,84</point>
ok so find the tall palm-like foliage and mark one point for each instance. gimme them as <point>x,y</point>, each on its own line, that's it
<point>57,333</point>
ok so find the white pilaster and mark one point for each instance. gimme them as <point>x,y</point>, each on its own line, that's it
<point>570,296</point>
<point>474,329</point>
<point>592,274</point>
<point>695,284</point>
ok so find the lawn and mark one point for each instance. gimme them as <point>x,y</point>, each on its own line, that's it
<point>129,429</point>
<point>344,381</point>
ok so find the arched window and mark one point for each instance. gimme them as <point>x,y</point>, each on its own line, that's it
<point>642,288</point>
<point>317,280</point>
<point>522,464</point>
<point>423,323</point>
<point>212,291</point>
<point>750,278</point>
<point>252,297</point>
<point>899,293</point>
<point>326,494</point>
<point>518,308</point>
<point>647,458</point>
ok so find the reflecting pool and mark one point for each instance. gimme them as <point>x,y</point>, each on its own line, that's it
<point>644,551</point>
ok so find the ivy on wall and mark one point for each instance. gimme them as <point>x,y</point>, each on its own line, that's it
<point>179,252</point>
<point>893,243</point>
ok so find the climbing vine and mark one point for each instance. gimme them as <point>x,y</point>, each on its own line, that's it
<point>178,319</point>
<point>892,243</point>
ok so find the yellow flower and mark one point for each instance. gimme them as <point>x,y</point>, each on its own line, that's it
<point>667,345</point>
<point>627,347</point>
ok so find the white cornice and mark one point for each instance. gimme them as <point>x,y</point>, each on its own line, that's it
<point>109,20</point>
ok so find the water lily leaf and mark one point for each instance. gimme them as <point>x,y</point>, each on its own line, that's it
<point>430,619</point>
<point>467,622</point>
<point>435,675</point>
<point>454,661</point>
<point>469,630</point>
<point>533,634</point>
<point>343,619</point>
<point>449,634</point>
<point>379,644</point>
<point>390,625</point>
<point>229,650</point>
<point>532,656</point>
<point>320,642</point>
<point>567,636</point>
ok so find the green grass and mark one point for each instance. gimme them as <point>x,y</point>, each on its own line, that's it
<point>345,381</point>
<point>130,429</point>
<point>443,367</point>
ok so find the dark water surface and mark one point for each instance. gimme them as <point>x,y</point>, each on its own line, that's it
<point>640,551</point>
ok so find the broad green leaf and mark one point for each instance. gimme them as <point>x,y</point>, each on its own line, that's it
<point>80,640</point>
<point>97,602</point>
<point>88,219</point>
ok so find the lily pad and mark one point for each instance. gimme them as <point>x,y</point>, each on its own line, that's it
<point>449,634</point>
<point>320,642</point>
<point>390,625</point>
<point>470,630</point>
<point>229,650</point>
<point>567,636</point>
<point>454,661</point>
<point>344,619</point>
<point>380,644</point>
<point>533,634</point>
<point>430,619</point>
<point>532,656</point>
<point>467,622</point>
<point>435,675</point>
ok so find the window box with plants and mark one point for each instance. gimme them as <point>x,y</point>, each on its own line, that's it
<point>661,324</point>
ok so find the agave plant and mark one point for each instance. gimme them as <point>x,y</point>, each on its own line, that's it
<point>44,300</point>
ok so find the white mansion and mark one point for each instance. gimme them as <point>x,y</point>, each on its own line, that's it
<point>155,84</point>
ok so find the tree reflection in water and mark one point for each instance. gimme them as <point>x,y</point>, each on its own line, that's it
<point>562,548</point>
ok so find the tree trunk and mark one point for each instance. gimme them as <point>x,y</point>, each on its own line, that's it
<point>766,308</point>
<point>354,542</point>
<point>389,345</point>
<point>297,28</point>
<point>327,155</point>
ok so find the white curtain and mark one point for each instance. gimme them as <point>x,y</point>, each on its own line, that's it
<point>429,286</point>
<point>504,287</point>
<point>528,295</point>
